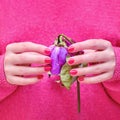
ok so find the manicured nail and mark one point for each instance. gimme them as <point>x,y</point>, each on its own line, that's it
<point>47,51</point>
<point>40,76</point>
<point>47,68</point>
<point>47,60</point>
<point>81,78</point>
<point>73,72</point>
<point>71,61</point>
<point>70,49</point>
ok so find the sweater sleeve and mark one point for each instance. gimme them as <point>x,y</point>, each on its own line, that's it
<point>5,88</point>
<point>112,86</point>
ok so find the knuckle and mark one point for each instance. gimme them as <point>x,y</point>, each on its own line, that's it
<point>108,43</point>
<point>8,47</point>
<point>8,58</point>
<point>110,75</point>
<point>108,54</point>
<point>11,81</point>
<point>112,55</point>
<point>7,70</point>
<point>112,65</point>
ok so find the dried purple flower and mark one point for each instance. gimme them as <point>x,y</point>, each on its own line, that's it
<point>58,57</point>
<point>60,67</point>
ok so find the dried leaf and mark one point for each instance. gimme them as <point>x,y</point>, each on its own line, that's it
<point>66,78</point>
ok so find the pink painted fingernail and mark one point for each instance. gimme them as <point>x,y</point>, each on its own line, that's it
<point>71,61</point>
<point>48,60</point>
<point>47,68</point>
<point>70,49</point>
<point>73,72</point>
<point>47,51</point>
<point>81,78</point>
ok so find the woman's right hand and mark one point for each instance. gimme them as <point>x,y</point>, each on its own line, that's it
<point>18,61</point>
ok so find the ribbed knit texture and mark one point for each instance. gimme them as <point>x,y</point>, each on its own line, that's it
<point>40,21</point>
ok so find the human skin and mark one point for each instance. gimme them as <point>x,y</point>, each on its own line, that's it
<point>101,58</point>
<point>20,56</point>
<point>18,61</point>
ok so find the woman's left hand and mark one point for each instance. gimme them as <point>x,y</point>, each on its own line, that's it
<point>101,60</point>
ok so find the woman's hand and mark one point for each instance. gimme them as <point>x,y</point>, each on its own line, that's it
<point>18,61</point>
<point>101,59</point>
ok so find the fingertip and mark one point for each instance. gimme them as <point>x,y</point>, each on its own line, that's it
<point>47,60</point>
<point>73,72</point>
<point>70,49</point>
<point>47,68</point>
<point>47,51</point>
<point>70,61</point>
<point>81,78</point>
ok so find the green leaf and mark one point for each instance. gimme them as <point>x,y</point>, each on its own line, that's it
<point>66,78</point>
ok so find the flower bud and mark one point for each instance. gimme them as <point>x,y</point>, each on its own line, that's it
<point>58,57</point>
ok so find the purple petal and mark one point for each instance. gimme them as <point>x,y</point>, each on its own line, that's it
<point>62,56</point>
<point>55,61</point>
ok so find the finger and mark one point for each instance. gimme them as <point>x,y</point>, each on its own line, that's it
<point>22,70</point>
<point>17,80</point>
<point>97,79</point>
<point>94,44</point>
<point>28,47</point>
<point>93,70</point>
<point>28,58</point>
<point>89,51</point>
<point>101,56</point>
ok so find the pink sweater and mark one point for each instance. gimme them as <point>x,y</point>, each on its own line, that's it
<point>41,21</point>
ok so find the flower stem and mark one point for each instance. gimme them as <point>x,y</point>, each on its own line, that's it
<point>78,95</point>
<point>66,39</point>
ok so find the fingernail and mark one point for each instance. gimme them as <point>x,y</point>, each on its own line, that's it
<point>40,76</point>
<point>73,72</point>
<point>47,51</point>
<point>81,78</point>
<point>47,68</point>
<point>47,60</point>
<point>71,61</point>
<point>70,49</point>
